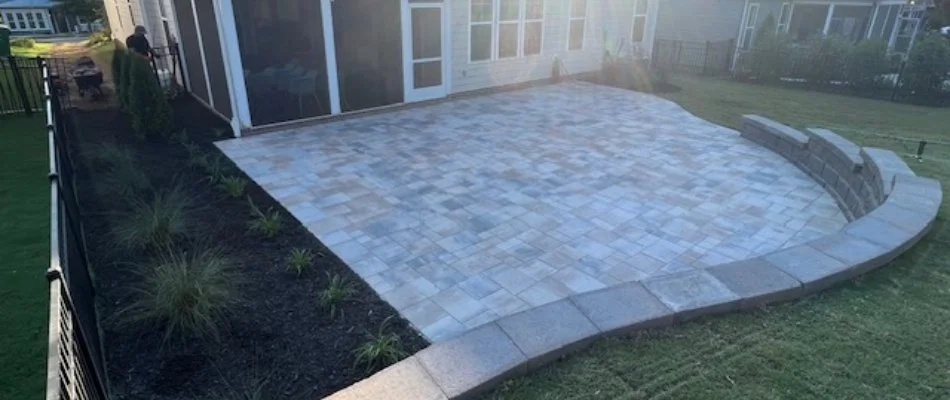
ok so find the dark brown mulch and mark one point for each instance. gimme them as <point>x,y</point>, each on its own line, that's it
<point>278,339</point>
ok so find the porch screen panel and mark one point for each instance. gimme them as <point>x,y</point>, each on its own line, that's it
<point>189,45</point>
<point>850,22</point>
<point>208,26</point>
<point>807,20</point>
<point>282,51</point>
<point>368,38</point>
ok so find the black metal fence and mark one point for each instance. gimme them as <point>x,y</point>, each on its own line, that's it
<point>706,58</point>
<point>75,364</point>
<point>167,66</point>
<point>891,78</point>
<point>21,83</point>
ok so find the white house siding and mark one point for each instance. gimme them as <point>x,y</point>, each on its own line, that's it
<point>699,20</point>
<point>467,76</point>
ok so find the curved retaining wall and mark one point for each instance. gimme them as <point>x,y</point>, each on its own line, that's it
<point>889,207</point>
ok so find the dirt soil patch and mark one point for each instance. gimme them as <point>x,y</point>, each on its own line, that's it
<point>279,341</point>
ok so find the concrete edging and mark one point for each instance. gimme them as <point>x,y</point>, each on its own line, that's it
<point>890,210</point>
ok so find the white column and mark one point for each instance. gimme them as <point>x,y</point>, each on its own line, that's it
<point>233,66</point>
<point>831,11</point>
<point>329,47</point>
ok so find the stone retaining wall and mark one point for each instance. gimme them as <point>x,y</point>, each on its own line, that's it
<point>889,207</point>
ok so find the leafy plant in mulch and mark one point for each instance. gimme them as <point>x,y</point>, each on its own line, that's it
<point>337,291</point>
<point>189,294</point>
<point>232,185</point>
<point>122,178</point>
<point>151,113</point>
<point>381,350</point>
<point>154,223</point>
<point>267,223</point>
<point>215,166</point>
<point>299,260</point>
<point>104,155</point>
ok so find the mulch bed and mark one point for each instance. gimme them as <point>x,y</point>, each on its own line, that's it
<point>279,340</point>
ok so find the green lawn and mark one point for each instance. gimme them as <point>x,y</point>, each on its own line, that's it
<point>24,256</point>
<point>882,336</point>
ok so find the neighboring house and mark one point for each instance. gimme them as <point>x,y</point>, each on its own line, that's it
<point>155,15</point>
<point>895,21</point>
<point>258,63</point>
<point>37,17</point>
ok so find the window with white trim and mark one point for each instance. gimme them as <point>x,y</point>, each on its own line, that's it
<point>30,20</point>
<point>577,24</point>
<point>480,32</point>
<point>639,20</point>
<point>533,28</point>
<point>40,21</point>
<point>502,29</point>
<point>21,21</point>
<point>509,20</point>
<point>784,17</point>
<point>748,28</point>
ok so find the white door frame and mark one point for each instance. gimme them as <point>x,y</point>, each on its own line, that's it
<point>410,94</point>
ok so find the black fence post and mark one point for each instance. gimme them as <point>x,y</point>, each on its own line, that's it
<point>20,88</point>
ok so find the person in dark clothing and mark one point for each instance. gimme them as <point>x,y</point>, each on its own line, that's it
<point>138,43</point>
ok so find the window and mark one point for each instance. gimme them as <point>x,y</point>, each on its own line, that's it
<point>480,35</point>
<point>784,17</point>
<point>748,29</point>
<point>8,18</point>
<point>29,19</point>
<point>639,20</point>
<point>509,19</point>
<point>533,27</point>
<point>500,29</point>
<point>577,22</point>
<point>21,21</point>
<point>40,21</point>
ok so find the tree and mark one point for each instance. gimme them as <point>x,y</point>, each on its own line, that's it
<point>940,17</point>
<point>151,113</point>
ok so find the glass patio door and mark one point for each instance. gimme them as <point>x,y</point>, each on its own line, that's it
<point>423,36</point>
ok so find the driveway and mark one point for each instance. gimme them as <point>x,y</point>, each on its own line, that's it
<point>464,211</point>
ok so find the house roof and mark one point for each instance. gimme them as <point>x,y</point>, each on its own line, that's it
<point>7,4</point>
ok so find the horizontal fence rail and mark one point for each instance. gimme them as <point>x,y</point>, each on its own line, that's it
<point>75,364</point>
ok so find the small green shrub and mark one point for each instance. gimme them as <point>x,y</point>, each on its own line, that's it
<point>267,223</point>
<point>381,350</point>
<point>337,291</point>
<point>215,166</point>
<point>98,38</point>
<point>24,42</point>
<point>232,185</point>
<point>928,66</point>
<point>867,64</point>
<point>151,113</point>
<point>104,155</point>
<point>190,295</point>
<point>826,59</point>
<point>299,260</point>
<point>122,178</point>
<point>154,223</point>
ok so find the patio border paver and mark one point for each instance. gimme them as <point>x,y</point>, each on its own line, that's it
<point>890,210</point>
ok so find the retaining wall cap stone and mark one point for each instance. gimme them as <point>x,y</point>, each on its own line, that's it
<point>473,361</point>
<point>785,132</point>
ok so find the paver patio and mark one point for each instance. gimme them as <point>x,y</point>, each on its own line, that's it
<point>465,211</point>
